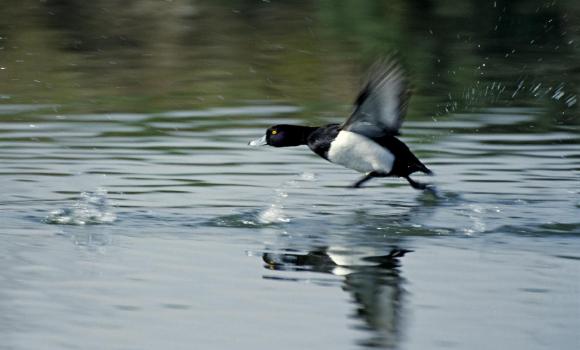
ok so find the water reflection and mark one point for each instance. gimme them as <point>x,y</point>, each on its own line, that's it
<point>362,250</point>
<point>374,283</point>
<point>92,239</point>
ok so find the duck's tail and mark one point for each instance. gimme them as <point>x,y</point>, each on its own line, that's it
<point>418,166</point>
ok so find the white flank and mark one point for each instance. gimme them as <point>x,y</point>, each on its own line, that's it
<point>360,153</point>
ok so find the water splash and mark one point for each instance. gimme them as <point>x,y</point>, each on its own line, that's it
<point>485,93</point>
<point>480,217</point>
<point>275,212</point>
<point>91,209</point>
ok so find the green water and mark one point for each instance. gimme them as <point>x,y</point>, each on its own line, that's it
<point>134,216</point>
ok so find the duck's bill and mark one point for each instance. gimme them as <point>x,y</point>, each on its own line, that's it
<point>258,142</point>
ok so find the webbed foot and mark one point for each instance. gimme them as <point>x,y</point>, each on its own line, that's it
<point>366,178</point>
<point>418,185</point>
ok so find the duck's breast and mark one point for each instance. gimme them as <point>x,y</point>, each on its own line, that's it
<point>360,153</point>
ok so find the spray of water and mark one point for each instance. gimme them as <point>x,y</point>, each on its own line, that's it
<point>91,208</point>
<point>275,212</point>
<point>489,93</point>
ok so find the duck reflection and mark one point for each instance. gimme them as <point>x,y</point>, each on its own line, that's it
<point>374,282</point>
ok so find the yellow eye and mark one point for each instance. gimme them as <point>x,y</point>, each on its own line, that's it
<point>274,132</point>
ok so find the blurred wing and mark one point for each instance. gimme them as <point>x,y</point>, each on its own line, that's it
<point>381,105</point>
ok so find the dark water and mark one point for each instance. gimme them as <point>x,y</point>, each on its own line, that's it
<point>134,216</point>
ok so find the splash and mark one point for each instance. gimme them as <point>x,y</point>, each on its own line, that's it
<point>485,93</point>
<point>91,209</point>
<point>275,212</point>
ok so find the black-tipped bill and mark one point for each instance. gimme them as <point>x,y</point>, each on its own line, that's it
<point>259,141</point>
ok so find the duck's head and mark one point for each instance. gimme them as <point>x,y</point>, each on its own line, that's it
<point>284,135</point>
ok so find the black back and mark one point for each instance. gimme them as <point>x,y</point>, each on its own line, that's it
<point>320,139</point>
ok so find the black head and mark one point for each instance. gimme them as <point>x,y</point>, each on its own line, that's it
<point>284,135</point>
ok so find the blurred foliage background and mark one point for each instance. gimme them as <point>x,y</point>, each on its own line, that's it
<point>152,55</point>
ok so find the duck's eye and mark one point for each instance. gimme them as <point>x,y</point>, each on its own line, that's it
<point>274,132</point>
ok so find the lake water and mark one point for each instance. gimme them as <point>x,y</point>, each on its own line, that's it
<point>133,215</point>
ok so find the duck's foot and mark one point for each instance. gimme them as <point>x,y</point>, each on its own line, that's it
<point>417,185</point>
<point>366,178</point>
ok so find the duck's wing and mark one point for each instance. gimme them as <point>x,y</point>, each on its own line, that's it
<point>382,103</point>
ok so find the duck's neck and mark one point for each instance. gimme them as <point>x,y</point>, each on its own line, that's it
<point>300,134</point>
<point>305,133</point>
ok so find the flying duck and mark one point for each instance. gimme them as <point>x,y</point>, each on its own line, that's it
<point>366,141</point>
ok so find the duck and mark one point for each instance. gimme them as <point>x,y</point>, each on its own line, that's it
<point>367,141</point>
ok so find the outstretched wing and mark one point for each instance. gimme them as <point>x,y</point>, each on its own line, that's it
<point>382,104</point>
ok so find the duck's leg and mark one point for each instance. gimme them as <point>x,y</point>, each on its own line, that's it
<point>366,178</point>
<point>416,185</point>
